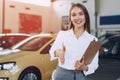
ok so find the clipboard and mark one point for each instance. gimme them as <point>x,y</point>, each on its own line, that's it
<point>91,51</point>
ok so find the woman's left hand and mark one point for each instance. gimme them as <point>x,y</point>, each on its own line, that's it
<point>80,66</point>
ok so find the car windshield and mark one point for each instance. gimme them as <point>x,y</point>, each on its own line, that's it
<point>35,43</point>
<point>109,43</point>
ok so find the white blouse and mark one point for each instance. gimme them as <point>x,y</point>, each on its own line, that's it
<point>75,49</point>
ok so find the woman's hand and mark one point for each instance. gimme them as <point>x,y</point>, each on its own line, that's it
<point>61,53</point>
<point>80,66</point>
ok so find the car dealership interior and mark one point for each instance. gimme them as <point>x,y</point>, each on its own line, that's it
<point>33,18</point>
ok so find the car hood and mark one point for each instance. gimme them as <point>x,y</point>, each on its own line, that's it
<point>11,56</point>
<point>8,51</point>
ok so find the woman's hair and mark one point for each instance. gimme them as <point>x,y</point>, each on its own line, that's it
<point>87,23</point>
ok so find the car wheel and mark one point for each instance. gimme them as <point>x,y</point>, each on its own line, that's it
<point>30,74</point>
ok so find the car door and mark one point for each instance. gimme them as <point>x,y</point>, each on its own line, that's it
<point>50,65</point>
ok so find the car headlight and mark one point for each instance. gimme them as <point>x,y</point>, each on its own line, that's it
<point>7,65</point>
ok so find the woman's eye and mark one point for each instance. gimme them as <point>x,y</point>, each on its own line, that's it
<point>81,13</point>
<point>73,14</point>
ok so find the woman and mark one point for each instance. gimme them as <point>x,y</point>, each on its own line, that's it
<point>70,46</point>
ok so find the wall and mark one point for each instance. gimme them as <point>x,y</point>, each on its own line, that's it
<point>108,8</point>
<point>61,8</point>
<point>12,15</point>
<point>1,16</point>
<point>51,16</point>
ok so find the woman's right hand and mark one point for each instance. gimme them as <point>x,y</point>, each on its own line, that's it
<point>61,53</point>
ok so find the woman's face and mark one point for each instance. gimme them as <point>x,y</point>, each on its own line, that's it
<point>77,17</point>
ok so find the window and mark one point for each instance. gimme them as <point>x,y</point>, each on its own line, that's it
<point>47,48</point>
<point>35,43</point>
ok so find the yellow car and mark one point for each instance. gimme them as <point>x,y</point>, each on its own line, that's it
<point>28,60</point>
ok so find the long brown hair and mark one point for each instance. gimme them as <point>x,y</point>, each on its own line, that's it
<point>87,23</point>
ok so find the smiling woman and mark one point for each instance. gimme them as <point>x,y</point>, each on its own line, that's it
<point>36,2</point>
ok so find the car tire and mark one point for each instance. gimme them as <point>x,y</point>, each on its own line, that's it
<point>30,74</point>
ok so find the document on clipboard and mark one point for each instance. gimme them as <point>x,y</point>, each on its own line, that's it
<point>91,51</point>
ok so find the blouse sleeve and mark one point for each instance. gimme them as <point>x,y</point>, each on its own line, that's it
<point>94,64</point>
<point>56,45</point>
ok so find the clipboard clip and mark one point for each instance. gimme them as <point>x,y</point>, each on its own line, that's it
<point>94,40</point>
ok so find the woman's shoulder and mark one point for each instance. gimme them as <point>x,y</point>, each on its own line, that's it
<point>91,37</point>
